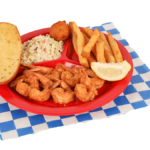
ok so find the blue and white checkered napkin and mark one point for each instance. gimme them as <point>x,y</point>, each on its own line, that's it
<point>15,122</point>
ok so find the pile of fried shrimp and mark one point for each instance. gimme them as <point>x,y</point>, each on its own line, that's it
<point>62,83</point>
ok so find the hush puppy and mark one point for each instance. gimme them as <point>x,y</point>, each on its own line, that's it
<point>59,31</point>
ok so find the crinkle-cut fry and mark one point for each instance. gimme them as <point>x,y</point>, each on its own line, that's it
<point>100,52</point>
<point>89,46</point>
<point>103,38</point>
<point>78,43</point>
<point>115,48</point>
<point>86,38</point>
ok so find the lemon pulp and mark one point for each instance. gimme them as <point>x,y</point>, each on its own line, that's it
<point>111,71</point>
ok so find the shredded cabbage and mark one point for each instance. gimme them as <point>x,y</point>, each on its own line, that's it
<point>41,48</point>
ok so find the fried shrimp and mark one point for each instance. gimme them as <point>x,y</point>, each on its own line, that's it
<point>62,67</point>
<point>44,80</point>
<point>97,82</point>
<point>59,31</point>
<point>15,81</point>
<point>28,73</point>
<point>85,79</point>
<point>26,66</point>
<point>76,69</point>
<point>44,70</point>
<point>63,94</point>
<point>85,91</point>
<point>62,83</point>
<point>65,86</point>
<point>91,73</point>
<point>59,67</point>
<point>23,88</point>
<point>70,79</point>
<point>30,81</point>
<point>38,95</point>
<point>54,76</point>
<point>43,95</point>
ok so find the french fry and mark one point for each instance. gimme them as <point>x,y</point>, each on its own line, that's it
<point>108,55</point>
<point>86,41</point>
<point>91,58</point>
<point>88,32</point>
<point>100,52</point>
<point>92,41</point>
<point>78,43</point>
<point>115,48</point>
<point>103,38</point>
<point>86,38</point>
<point>74,41</point>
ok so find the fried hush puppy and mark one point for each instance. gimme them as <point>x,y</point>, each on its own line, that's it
<point>59,31</point>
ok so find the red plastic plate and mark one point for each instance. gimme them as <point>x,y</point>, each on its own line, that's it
<point>107,93</point>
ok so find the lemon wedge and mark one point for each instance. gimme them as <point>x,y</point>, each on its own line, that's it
<point>111,71</point>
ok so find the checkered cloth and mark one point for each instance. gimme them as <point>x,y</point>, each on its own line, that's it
<point>15,122</point>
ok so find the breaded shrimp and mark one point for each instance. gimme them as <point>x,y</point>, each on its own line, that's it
<point>54,76</point>
<point>43,95</point>
<point>45,70</point>
<point>70,79</point>
<point>97,82</point>
<point>38,95</point>
<point>62,67</point>
<point>84,78</point>
<point>59,68</point>
<point>65,86</point>
<point>63,94</point>
<point>16,80</point>
<point>42,78</point>
<point>33,82</point>
<point>85,91</point>
<point>76,69</point>
<point>23,88</point>
<point>26,66</point>
<point>28,73</point>
<point>91,73</point>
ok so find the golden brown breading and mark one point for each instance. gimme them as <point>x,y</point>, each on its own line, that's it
<point>59,31</point>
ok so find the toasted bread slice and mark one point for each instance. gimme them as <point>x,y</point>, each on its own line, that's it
<point>10,52</point>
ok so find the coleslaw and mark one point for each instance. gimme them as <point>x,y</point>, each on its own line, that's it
<point>41,48</point>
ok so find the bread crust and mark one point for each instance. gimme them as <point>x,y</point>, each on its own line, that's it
<point>18,51</point>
